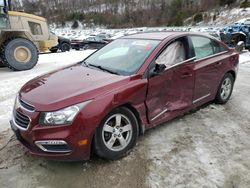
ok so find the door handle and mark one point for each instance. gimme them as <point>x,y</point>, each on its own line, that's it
<point>219,63</point>
<point>186,75</point>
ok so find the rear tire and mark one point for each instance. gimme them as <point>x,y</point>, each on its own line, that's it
<point>65,47</point>
<point>225,89</point>
<point>116,135</point>
<point>19,54</point>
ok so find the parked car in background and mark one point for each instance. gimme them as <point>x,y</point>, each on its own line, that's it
<point>76,44</point>
<point>233,34</point>
<point>93,42</point>
<point>63,45</point>
<point>128,86</point>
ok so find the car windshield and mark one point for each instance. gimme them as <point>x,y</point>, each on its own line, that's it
<point>123,56</point>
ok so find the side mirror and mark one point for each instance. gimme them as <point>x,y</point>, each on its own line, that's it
<point>159,68</point>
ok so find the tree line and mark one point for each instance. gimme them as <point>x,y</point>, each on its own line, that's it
<point>119,13</point>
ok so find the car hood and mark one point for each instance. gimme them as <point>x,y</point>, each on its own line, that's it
<point>69,86</point>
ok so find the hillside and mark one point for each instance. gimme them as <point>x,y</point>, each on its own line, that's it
<point>122,13</point>
<point>219,17</point>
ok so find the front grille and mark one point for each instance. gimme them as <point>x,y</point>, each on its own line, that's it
<point>27,106</point>
<point>21,120</point>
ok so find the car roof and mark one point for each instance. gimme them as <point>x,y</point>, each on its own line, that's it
<point>161,35</point>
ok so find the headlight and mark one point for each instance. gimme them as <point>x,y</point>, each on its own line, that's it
<point>63,116</point>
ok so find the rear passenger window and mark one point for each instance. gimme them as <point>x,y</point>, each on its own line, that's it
<point>202,46</point>
<point>218,48</point>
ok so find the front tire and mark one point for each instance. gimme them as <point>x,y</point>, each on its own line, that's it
<point>19,54</point>
<point>225,89</point>
<point>116,135</point>
<point>65,47</point>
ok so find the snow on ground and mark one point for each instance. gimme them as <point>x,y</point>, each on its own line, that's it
<point>208,148</point>
<point>11,81</point>
<point>244,58</point>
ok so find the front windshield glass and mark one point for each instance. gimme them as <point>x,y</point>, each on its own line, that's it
<point>123,56</point>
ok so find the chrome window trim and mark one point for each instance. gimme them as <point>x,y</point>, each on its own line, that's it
<point>40,144</point>
<point>183,62</point>
<point>159,114</point>
<point>210,56</point>
<point>201,98</point>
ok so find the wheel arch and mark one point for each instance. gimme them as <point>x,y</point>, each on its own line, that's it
<point>6,35</point>
<point>133,110</point>
<point>137,115</point>
<point>130,107</point>
<point>232,73</point>
<point>241,37</point>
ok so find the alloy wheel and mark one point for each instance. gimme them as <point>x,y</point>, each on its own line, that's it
<point>117,132</point>
<point>226,88</point>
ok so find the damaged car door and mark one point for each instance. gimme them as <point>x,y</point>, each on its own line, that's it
<point>171,90</point>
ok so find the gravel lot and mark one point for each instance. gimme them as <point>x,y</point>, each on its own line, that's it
<point>206,148</point>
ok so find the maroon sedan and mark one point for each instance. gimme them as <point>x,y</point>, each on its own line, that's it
<point>137,82</point>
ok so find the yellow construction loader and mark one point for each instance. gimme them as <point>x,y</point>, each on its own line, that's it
<point>22,37</point>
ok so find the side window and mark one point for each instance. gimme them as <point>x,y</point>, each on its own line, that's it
<point>218,48</point>
<point>174,53</point>
<point>202,46</point>
<point>35,28</point>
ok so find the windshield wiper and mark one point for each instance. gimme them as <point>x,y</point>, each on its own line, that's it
<point>103,69</point>
<point>85,64</point>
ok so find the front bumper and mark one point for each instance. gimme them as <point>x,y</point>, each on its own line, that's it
<point>60,143</point>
